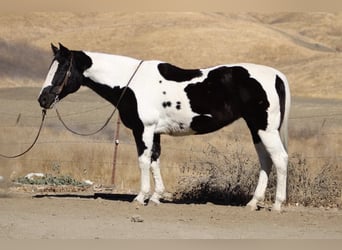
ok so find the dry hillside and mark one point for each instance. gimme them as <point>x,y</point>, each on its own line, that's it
<point>305,46</point>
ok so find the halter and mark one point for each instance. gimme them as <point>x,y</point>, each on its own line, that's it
<point>64,82</point>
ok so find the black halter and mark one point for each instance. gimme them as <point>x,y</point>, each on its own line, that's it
<point>66,77</point>
<point>64,82</point>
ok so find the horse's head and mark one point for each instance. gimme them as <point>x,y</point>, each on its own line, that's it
<point>62,79</point>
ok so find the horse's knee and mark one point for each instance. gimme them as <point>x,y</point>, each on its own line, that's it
<point>159,185</point>
<point>280,161</point>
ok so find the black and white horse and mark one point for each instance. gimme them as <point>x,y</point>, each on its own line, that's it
<point>164,99</point>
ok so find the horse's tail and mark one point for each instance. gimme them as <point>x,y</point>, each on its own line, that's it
<point>286,96</point>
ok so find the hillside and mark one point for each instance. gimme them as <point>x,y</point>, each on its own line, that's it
<point>305,46</point>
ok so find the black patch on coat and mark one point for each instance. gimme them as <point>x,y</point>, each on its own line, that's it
<point>254,102</point>
<point>178,105</point>
<point>280,87</point>
<point>128,109</point>
<point>82,61</point>
<point>156,149</point>
<point>227,94</point>
<point>167,104</point>
<point>173,73</point>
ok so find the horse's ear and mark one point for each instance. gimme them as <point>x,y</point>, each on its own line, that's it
<point>64,50</point>
<point>54,49</point>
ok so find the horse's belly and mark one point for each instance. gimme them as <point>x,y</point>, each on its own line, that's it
<point>174,127</point>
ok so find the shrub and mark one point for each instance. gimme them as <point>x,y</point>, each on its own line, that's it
<point>51,180</point>
<point>232,180</point>
<point>218,179</point>
<point>321,189</point>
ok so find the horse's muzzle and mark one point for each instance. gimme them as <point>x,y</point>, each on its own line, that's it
<point>47,99</point>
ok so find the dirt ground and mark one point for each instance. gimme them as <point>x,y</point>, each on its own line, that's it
<point>26,215</point>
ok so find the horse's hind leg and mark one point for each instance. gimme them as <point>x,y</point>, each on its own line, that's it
<point>265,169</point>
<point>274,146</point>
<point>155,166</point>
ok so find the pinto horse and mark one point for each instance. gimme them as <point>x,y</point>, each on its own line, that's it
<point>155,97</point>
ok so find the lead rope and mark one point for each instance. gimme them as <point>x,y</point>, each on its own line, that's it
<point>84,134</point>
<point>110,116</point>
<point>34,142</point>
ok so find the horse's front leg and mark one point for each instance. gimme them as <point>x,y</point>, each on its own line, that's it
<point>155,165</point>
<point>144,142</point>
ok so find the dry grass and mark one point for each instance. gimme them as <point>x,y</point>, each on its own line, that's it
<point>322,189</point>
<point>219,178</point>
<point>196,169</point>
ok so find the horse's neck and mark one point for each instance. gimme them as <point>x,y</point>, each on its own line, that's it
<point>111,70</point>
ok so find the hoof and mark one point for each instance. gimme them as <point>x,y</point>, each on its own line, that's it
<point>156,198</point>
<point>255,205</point>
<point>140,199</point>
<point>251,208</point>
<point>252,205</point>
<point>155,201</point>
<point>277,207</point>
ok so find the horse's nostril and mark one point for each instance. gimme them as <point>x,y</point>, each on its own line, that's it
<point>42,101</point>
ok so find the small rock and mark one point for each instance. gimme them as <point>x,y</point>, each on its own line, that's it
<point>136,218</point>
<point>32,176</point>
<point>88,182</point>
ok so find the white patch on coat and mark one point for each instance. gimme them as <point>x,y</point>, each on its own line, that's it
<point>111,70</point>
<point>152,90</point>
<point>50,75</point>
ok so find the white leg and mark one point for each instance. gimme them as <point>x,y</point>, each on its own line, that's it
<point>155,166</point>
<point>144,178</point>
<point>265,169</point>
<point>144,164</point>
<point>159,185</point>
<point>271,140</point>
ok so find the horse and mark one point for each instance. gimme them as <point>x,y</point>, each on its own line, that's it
<point>155,97</point>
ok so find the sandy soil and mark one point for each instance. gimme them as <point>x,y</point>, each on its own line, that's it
<point>98,216</point>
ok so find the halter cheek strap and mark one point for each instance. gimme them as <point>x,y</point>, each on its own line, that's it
<point>65,80</point>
